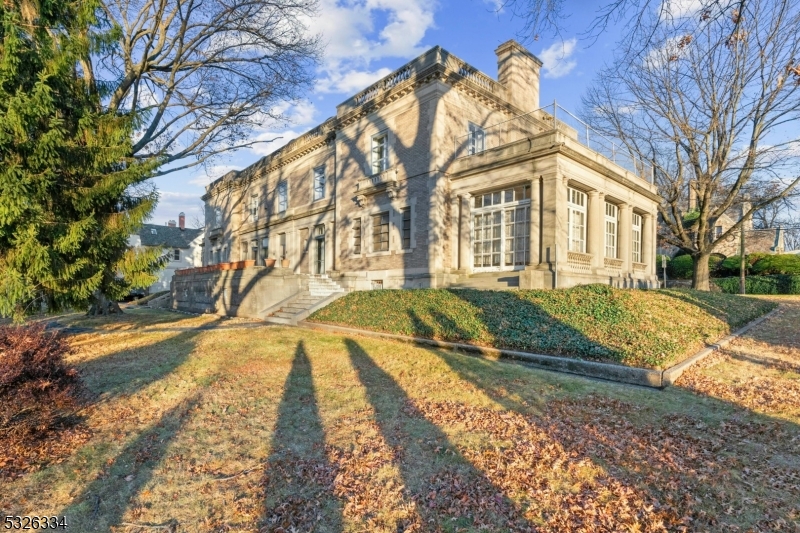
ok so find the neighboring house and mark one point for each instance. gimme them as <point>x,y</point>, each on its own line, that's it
<point>181,244</point>
<point>435,176</point>
<point>755,240</point>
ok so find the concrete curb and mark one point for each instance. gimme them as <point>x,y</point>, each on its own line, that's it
<point>671,375</point>
<point>623,374</point>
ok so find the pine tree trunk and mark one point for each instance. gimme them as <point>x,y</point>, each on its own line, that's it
<point>102,306</point>
<point>700,273</point>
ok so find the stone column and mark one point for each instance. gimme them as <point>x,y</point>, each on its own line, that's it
<point>625,237</point>
<point>464,237</point>
<point>533,240</point>
<point>330,247</point>
<point>648,244</point>
<point>595,233</point>
<point>554,220</point>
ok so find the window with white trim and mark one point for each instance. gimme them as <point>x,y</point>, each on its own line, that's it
<point>476,139</point>
<point>380,152</point>
<point>380,232</point>
<point>636,238</point>
<point>357,236</point>
<point>319,183</point>
<point>176,255</point>
<point>254,208</point>
<point>612,214</point>
<point>576,220</point>
<point>217,217</point>
<point>283,197</point>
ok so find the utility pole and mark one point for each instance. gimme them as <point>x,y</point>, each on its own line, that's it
<point>742,262</point>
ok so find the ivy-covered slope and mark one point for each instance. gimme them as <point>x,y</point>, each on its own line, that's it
<point>651,329</point>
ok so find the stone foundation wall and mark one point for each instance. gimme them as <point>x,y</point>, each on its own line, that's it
<point>247,292</point>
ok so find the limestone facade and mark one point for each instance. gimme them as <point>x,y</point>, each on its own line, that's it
<point>437,173</point>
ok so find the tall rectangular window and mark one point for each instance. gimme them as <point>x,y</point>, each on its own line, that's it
<point>380,152</point>
<point>319,183</point>
<point>283,197</point>
<point>176,254</point>
<point>475,139</point>
<point>636,237</point>
<point>283,249</point>
<point>217,217</point>
<point>254,208</point>
<point>254,250</point>
<point>265,248</point>
<point>218,256</point>
<point>357,236</point>
<point>576,220</point>
<point>380,232</point>
<point>406,228</point>
<point>612,213</point>
<point>717,232</point>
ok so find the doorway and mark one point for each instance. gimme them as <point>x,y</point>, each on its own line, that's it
<point>319,249</point>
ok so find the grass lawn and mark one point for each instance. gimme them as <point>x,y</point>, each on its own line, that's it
<point>285,429</point>
<point>648,329</point>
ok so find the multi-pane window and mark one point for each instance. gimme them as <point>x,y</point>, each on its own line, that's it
<point>176,254</point>
<point>357,236</point>
<point>576,220</point>
<point>218,254</point>
<point>717,232</point>
<point>254,208</point>
<point>283,249</point>
<point>254,250</point>
<point>217,217</point>
<point>636,238</point>
<point>476,139</point>
<point>243,253</point>
<point>265,247</point>
<point>515,194</point>
<point>380,152</point>
<point>319,183</point>
<point>283,197</point>
<point>611,218</point>
<point>406,228</point>
<point>380,232</point>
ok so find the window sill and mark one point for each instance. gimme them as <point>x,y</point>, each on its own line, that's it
<point>378,254</point>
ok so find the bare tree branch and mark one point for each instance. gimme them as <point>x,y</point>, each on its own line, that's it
<point>706,104</point>
<point>203,74</point>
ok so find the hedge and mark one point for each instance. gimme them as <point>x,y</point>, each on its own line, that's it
<point>682,266</point>
<point>781,284</point>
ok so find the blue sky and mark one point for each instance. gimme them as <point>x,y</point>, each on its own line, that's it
<point>367,39</point>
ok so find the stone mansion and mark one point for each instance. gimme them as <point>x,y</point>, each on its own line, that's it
<point>435,176</point>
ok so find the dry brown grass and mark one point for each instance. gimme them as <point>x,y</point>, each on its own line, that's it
<point>274,428</point>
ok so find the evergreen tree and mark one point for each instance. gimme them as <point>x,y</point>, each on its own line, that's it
<point>70,191</point>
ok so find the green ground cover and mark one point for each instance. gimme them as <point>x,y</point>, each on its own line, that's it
<point>650,329</point>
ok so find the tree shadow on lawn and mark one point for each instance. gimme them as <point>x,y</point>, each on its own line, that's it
<point>128,371</point>
<point>681,470</point>
<point>298,481</point>
<point>448,491</point>
<point>104,501</point>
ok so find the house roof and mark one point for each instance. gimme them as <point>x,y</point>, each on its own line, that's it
<point>166,236</point>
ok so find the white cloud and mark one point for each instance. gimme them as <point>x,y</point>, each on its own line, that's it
<point>681,8</point>
<point>203,177</point>
<point>354,39</point>
<point>171,203</point>
<point>557,58</point>
<point>497,5</point>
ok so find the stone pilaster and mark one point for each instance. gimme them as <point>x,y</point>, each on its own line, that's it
<point>648,244</point>
<point>595,224</point>
<point>625,237</point>
<point>464,237</point>
<point>534,240</point>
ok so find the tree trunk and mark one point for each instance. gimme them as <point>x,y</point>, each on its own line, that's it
<point>700,272</point>
<point>103,306</point>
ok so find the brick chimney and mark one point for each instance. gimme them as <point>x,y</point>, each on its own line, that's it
<point>171,223</point>
<point>182,220</point>
<point>518,71</point>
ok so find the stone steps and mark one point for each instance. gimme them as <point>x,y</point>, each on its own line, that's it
<point>320,289</point>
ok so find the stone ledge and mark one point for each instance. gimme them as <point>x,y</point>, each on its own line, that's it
<point>645,377</point>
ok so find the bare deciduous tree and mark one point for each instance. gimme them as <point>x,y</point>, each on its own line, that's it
<point>714,109</point>
<point>202,74</point>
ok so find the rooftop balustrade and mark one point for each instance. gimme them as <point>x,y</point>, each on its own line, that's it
<point>551,118</point>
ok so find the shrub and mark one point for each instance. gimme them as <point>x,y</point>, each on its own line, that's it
<point>781,284</point>
<point>680,267</point>
<point>38,392</point>
<point>768,265</point>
